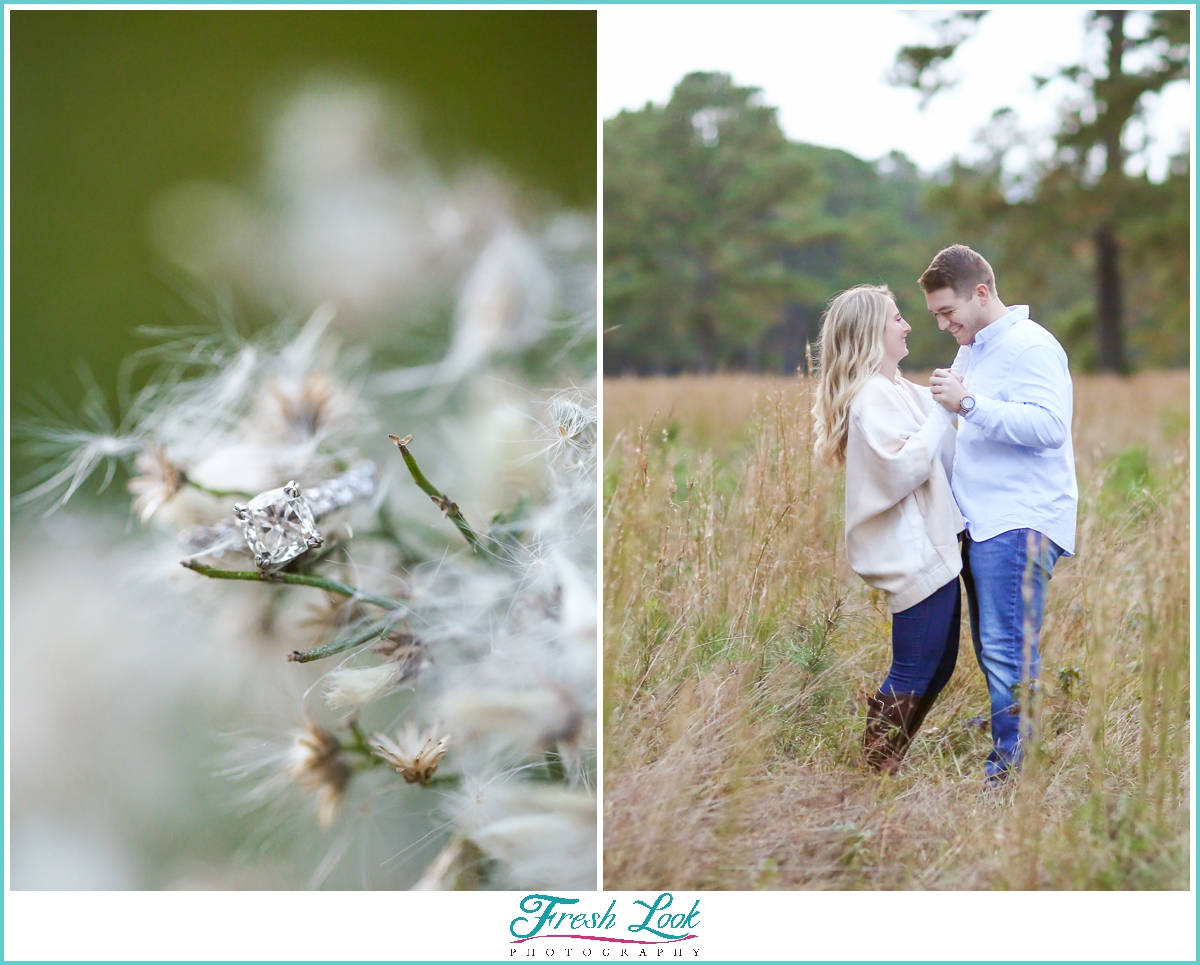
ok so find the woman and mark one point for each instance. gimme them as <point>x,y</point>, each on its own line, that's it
<point>902,524</point>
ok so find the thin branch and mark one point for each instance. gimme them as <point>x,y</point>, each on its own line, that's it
<point>342,644</point>
<point>444,502</point>
<point>294,579</point>
<point>219,493</point>
<point>360,746</point>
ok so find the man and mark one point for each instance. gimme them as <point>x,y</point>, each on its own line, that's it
<point>1014,476</point>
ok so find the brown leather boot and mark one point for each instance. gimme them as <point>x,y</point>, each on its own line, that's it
<point>892,720</point>
<point>923,708</point>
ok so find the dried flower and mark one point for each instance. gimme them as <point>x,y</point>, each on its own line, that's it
<point>570,429</point>
<point>315,763</point>
<point>157,481</point>
<point>416,755</point>
<point>305,410</point>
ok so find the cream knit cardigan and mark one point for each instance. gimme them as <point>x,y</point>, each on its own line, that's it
<point>902,523</point>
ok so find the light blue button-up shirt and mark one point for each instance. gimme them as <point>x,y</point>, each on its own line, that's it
<point>1014,465</point>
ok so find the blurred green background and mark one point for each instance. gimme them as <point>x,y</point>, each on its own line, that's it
<point>109,108</point>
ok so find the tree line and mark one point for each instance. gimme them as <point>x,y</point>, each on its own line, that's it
<point>723,240</point>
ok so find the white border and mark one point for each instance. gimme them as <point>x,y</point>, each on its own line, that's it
<point>7,467</point>
<point>383,925</point>
<point>778,926</point>
<point>1192,470</point>
<point>599,464</point>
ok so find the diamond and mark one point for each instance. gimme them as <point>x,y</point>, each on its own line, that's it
<point>278,525</point>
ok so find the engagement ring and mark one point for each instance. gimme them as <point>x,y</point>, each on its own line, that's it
<point>280,524</point>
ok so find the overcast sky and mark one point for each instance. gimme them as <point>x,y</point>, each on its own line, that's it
<point>824,68</point>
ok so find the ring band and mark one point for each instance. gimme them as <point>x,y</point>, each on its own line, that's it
<point>357,482</point>
<point>280,524</point>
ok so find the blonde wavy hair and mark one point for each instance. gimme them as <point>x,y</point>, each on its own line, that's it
<point>851,350</point>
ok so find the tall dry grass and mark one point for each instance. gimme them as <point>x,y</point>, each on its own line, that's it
<point>739,649</point>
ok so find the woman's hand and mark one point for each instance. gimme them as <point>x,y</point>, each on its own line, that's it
<point>947,388</point>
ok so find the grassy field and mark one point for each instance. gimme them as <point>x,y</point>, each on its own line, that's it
<point>739,650</point>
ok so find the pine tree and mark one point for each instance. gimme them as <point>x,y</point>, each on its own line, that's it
<point>1082,200</point>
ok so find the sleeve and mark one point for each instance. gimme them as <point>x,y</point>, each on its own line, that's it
<point>961,361</point>
<point>892,460</point>
<point>1035,414</point>
<point>933,432</point>
<point>946,446</point>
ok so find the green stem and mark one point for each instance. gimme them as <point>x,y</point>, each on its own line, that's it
<point>554,765</point>
<point>360,746</point>
<point>444,502</point>
<point>342,644</point>
<point>294,579</point>
<point>219,493</point>
<point>360,737</point>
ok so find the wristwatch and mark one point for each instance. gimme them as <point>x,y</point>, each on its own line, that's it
<point>966,404</point>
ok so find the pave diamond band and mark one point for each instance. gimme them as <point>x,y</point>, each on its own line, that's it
<point>327,497</point>
<point>280,524</point>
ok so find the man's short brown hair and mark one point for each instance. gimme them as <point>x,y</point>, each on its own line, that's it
<point>960,268</point>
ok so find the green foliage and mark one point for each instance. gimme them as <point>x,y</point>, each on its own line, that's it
<point>1129,484</point>
<point>1044,229</point>
<point>1129,470</point>
<point>1121,845</point>
<point>723,240</point>
<point>920,66</point>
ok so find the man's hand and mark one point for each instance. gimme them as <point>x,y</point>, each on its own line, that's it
<point>948,390</point>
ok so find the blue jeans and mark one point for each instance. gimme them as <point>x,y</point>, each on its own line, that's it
<point>1006,579</point>
<point>925,644</point>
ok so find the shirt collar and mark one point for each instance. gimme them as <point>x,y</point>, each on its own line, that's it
<point>1001,325</point>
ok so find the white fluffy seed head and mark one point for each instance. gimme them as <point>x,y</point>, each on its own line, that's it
<point>157,480</point>
<point>532,718</point>
<point>541,837</point>
<point>352,687</point>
